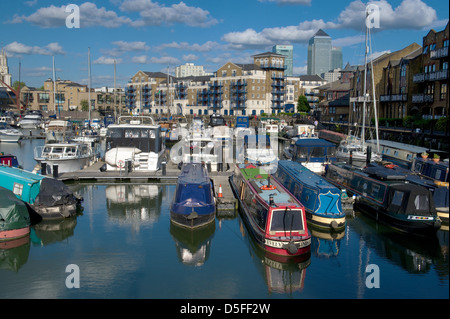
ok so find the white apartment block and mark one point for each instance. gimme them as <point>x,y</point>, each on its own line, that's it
<point>189,69</point>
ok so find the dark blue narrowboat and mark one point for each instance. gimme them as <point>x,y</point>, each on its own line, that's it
<point>322,200</point>
<point>193,204</point>
<point>386,197</point>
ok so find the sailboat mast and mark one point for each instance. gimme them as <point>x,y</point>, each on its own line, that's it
<point>54,87</point>
<point>374,102</point>
<point>89,85</point>
<point>114,95</point>
<point>363,131</point>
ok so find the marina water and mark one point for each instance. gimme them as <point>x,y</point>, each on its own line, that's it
<point>124,246</point>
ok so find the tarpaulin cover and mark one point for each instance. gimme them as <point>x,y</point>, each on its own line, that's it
<point>13,211</point>
<point>53,192</point>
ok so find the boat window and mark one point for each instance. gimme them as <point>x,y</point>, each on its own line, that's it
<point>438,174</point>
<point>47,149</point>
<point>286,220</point>
<point>132,133</point>
<point>70,149</point>
<point>57,150</point>
<point>18,189</point>
<point>302,152</point>
<point>152,133</point>
<point>318,152</point>
<point>421,202</point>
<point>398,198</point>
<point>114,133</point>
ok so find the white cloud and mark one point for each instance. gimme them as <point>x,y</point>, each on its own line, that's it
<point>17,48</point>
<point>154,14</point>
<point>348,41</point>
<point>166,60</point>
<point>90,15</point>
<point>142,59</point>
<point>189,57</point>
<point>105,60</point>
<point>300,70</point>
<point>205,47</point>
<point>410,14</point>
<point>124,46</point>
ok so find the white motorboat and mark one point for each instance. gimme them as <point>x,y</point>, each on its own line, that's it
<point>31,121</point>
<point>59,131</point>
<point>358,150</point>
<point>9,134</point>
<point>134,140</point>
<point>70,157</point>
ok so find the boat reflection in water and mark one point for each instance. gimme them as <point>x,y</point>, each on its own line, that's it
<point>193,246</point>
<point>282,275</point>
<point>134,204</point>
<point>417,255</point>
<point>326,244</point>
<point>14,253</point>
<point>48,232</point>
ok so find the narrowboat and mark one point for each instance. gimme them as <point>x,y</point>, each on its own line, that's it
<point>14,216</point>
<point>322,200</point>
<point>400,153</point>
<point>314,153</point>
<point>438,187</point>
<point>49,197</point>
<point>9,160</point>
<point>136,140</point>
<point>193,205</point>
<point>406,207</point>
<point>275,219</point>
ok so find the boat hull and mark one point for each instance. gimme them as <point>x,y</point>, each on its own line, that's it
<point>67,165</point>
<point>7,138</point>
<point>417,227</point>
<point>192,220</point>
<point>14,233</point>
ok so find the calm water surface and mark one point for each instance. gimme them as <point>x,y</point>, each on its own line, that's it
<point>125,247</point>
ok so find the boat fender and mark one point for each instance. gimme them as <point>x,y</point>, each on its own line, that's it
<point>268,187</point>
<point>103,168</point>
<point>334,224</point>
<point>291,247</point>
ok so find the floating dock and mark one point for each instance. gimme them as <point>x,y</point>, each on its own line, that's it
<point>225,202</point>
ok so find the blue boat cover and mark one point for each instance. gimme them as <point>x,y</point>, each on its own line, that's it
<point>313,142</point>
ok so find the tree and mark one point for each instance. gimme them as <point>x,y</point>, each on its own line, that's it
<point>84,105</point>
<point>16,85</point>
<point>302,104</point>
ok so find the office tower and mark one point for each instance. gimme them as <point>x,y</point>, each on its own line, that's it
<point>288,52</point>
<point>322,56</point>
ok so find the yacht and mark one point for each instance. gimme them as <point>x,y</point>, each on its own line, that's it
<point>9,134</point>
<point>31,121</point>
<point>134,140</point>
<point>59,131</point>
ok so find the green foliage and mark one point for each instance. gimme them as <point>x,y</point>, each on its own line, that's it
<point>16,85</point>
<point>302,104</point>
<point>442,124</point>
<point>84,105</point>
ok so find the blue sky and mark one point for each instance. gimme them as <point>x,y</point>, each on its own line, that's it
<point>153,35</point>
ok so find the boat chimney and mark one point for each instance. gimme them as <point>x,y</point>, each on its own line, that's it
<point>271,202</point>
<point>369,154</point>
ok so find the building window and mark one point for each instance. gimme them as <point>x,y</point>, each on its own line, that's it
<point>443,91</point>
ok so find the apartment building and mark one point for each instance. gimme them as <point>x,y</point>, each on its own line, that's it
<point>68,96</point>
<point>432,78</point>
<point>235,89</point>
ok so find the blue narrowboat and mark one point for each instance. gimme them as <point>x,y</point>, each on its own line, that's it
<point>193,205</point>
<point>49,197</point>
<point>322,200</point>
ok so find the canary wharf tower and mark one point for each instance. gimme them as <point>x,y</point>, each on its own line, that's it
<point>322,56</point>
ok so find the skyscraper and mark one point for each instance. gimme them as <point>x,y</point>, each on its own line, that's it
<point>4,70</point>
<point>288,52</point>
<point>322,56</point>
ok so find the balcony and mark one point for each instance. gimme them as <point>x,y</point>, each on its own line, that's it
<point>394,98</point>
<point>422,98</point>
<point>439,53</point>
<point>273,66</point>
<point>432,76</point>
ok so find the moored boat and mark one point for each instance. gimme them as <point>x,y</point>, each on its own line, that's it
<point>136,140</point>
<point>9,134</point>
<point>14,216</point>
<point>403,206</point>
<point>274,217</point>
<point>69,157</point>
<point>49,197</point>
<point>59,131</point>
<point>322,200</point>
<point>193,205</point>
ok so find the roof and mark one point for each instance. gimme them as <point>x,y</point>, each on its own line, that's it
<point>247,67</point>
<point>269,54</point>
<point>193,173</point>
<point>314,77</point>
<point>321,33</point>
<point>312,142</point>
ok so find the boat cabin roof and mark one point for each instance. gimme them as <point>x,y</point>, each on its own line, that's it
<point>299,172</point>
<point>20,174</point>
<point>259,180</point>
<point>313,142</point>
<point>193,173</point>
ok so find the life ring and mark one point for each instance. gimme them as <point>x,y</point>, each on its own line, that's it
<point>268,187</point>
<point>390,166</point>
<point>120,163</point>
